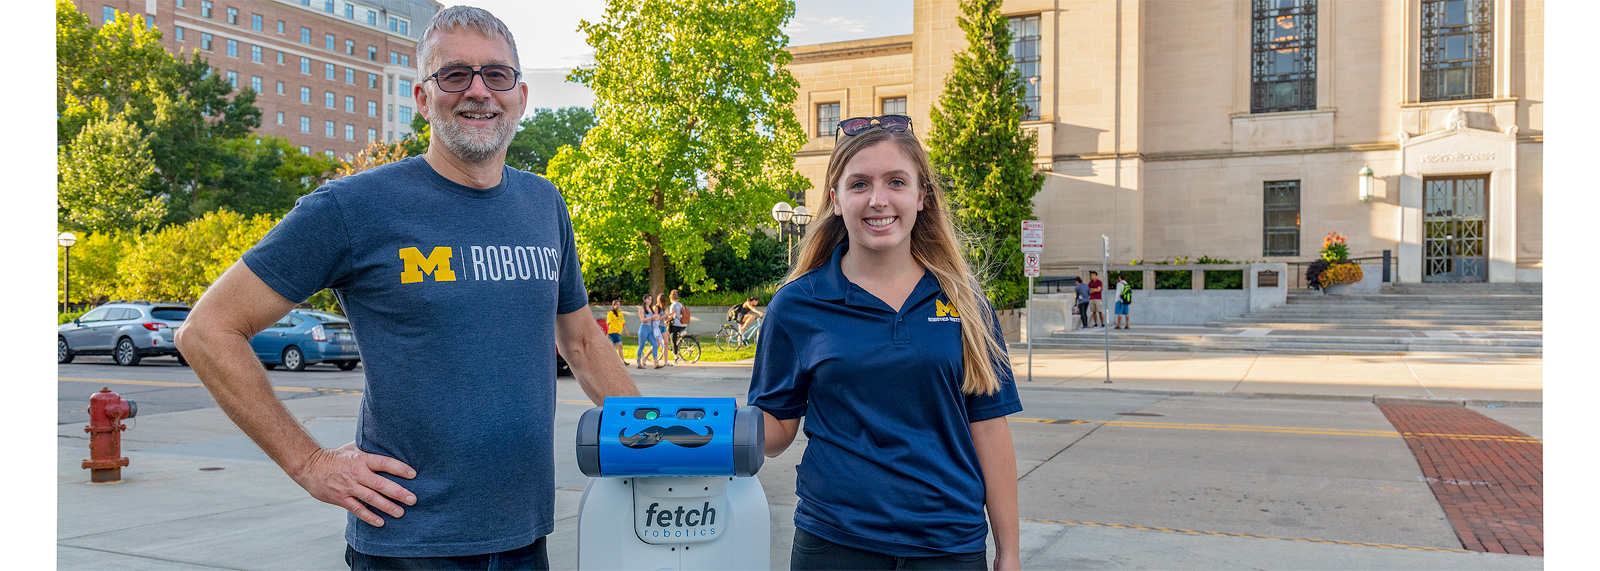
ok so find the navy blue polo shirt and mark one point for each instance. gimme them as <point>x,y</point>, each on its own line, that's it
<point>890,466</point>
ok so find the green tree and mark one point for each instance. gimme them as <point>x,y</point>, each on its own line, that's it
<point>980,149</point>
<point>95,260</point>
<point>103,174</point>
<point>259,175</point>
<point>544,133</point>
<point>695,133</point>
<point>179,262</point>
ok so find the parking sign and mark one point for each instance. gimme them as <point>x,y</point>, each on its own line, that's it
<point>1032,236</point>
<point>1030,264</point>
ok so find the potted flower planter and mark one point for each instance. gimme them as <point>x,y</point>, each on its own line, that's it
<point>1337,289</point>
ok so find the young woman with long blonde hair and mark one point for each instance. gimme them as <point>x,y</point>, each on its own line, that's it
<point>881,338</point>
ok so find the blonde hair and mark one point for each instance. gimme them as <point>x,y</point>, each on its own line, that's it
<point>935,245</point>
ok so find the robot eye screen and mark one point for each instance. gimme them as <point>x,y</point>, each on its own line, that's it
<point>646,413</point>
<point>691,414</point>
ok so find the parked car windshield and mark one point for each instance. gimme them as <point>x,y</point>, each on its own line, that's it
<point>170,313</point>
<point>325,316</point>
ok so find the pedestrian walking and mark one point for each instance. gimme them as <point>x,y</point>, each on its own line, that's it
<point>882,340</point>
<point>453,463</point>
<point>616,325</point>
<point>1080,299</point>
<point>648,315</point>
<point>1124,300</point>
<point>677,323</point>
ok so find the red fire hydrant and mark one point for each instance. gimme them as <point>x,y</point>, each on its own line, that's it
<point>107,410</point>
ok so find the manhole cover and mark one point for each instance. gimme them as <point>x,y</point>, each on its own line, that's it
<point>1139,414</point>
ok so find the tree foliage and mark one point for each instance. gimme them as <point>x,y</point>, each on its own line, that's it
<point>179,262</point>
<point>978,145</point>
<point>103,173</point>
<point>695,133</point>
<point>544,133</point>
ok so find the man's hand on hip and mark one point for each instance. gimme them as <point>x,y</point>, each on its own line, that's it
<point>348,478</point>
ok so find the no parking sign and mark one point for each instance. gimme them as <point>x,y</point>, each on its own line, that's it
<point>1030,264</point>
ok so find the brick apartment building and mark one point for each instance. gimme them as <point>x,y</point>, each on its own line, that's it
<point>330,75</point>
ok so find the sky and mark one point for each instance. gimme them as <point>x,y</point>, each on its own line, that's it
<point>550,44</point>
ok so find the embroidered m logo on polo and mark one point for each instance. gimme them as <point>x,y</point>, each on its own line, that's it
<point>942,310</point>
<point>437,263</point>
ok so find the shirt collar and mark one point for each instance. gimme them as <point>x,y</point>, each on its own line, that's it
<point>830,284</point>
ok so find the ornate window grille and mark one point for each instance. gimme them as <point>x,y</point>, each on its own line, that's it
<point>1283,59</point>
<point>1457,49</point>
<point>1025,58</point>
<point>1281,227</point>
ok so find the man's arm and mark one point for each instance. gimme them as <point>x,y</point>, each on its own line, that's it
<point>998,458</point>
<point>592,358</point>
<point>215,339</point>
<point>779,433</point>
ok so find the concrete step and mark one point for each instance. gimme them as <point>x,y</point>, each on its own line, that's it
<point>1398,312</point>
<point>1523,288</point>
<point>1301,344</point>
<point>1243,322</point>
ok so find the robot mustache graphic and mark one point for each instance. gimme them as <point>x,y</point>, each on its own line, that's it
<point>680,435</point>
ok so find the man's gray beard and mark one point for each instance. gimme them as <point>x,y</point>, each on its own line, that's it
<point>469,148</point>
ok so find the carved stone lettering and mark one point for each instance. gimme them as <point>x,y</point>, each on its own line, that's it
<point>1458,157</point>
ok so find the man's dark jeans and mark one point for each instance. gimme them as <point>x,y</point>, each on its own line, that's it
<point>812,552</point>
<point>533,556</point>
<point>1083,314</point>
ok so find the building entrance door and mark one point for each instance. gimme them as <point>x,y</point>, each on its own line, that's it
<point>1454,223</point>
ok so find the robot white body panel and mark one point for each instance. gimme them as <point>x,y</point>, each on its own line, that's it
<point>612,508</point>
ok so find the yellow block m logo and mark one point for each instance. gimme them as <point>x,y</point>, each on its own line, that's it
<point>942,310</point>
<point>436,263</point>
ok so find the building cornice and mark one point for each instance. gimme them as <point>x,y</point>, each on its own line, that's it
<point>870,47</point>
<point>1214,155</point>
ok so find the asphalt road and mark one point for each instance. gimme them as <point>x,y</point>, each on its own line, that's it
<point>1328,472</point>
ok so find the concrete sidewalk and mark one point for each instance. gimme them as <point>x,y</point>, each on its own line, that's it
<point>200,495</point>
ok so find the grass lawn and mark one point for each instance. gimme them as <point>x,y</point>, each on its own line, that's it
<point>708,351</point>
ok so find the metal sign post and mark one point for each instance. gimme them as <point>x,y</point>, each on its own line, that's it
<point>1105,258</point>
<point>1032,248</point>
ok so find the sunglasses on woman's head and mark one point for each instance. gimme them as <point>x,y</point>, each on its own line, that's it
<point>855,125</point>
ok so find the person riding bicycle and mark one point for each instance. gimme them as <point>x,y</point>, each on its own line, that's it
<point>746,315</point>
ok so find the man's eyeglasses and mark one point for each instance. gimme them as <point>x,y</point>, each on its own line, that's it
<point>855,125</point>
<point>457,78</point>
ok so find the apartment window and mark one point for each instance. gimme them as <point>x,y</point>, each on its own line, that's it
<point>1025,58</point>
<point>349,132</point>
<point>180,4</point>
<point>233,79</point>
<point>149,21</point>
<point>233,16</point>
<point>327,41</point>
<point>233,48</point>
<point>405,115</point>
<point>280,88</point>
<point>329,70</point>
<point>255,83</point>
<point>180,32</point>
<point>372,18</point>
<point>328,99</point>
<point>390,136</point>
<point>894,106</point>
<point>327,128</point>
<point>1457,49</point>
<point>391,85</point>
<point>327,6</point>
<point>404,27</point>
<point>255,22</point>
<point>1283,61</point>
<point>1281,224</point>
<point>394,57</point>
<point>305,126</point>
<point>372,53</point>
<point>328,152</point>
<point>280,117</point>
<point>107,15</point>
<point>372,135</point>
<point>205,42</point>
<point>827,119</point>
<point>390,112</point>
<point>394,24</point>
<point>205,9</point>
<point>405,88</point>
<point>304,150</point>
<point>305,95</point>
<point>305,35</point>
<point>255,54</point>
<point>349,104</point>
<point>372,81</point>
<point>280,58</point>
<point>305,65</point>
<point>350,11</point>
<point>280,27</point>
<point>405,60</point>
<point>350,47</point>
<point>372,108</point>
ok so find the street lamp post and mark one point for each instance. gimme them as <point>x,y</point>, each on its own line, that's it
<point>66,240</point>
<point>782,212</point>
<point>802,217</point>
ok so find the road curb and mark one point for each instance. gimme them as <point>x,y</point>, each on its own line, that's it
<point>1375,399</point>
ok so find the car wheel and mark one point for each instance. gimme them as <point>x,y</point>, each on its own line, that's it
<point>126,355</point>
<point>63,354</point>
<point>182,361</point>
<point>293,360</point>
<point>347,365</point>
<point>269,366</point>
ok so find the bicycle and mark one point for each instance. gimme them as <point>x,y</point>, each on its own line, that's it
<point>728,337</point>
<point>686,347</point>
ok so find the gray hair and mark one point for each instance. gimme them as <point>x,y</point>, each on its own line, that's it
<point>468,17</point>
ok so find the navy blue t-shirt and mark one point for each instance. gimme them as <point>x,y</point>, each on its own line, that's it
<point>452,293</point>
<point>890,466</point>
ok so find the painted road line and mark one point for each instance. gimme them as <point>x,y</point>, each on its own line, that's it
<point>1279,429</point>
<point>1249,535</point>
<point>191,385</point>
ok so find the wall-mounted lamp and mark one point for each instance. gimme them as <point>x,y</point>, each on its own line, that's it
<point>1366,184</point>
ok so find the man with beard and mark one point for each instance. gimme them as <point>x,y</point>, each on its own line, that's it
<point>460,277</point>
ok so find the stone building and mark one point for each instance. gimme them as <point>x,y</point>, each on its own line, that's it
<point>1240,129</point>
<point>329,75</point>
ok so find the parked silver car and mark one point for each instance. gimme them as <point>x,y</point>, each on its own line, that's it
<point>126,330</point>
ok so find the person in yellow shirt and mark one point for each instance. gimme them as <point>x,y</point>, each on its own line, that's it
<point>615,325</point>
